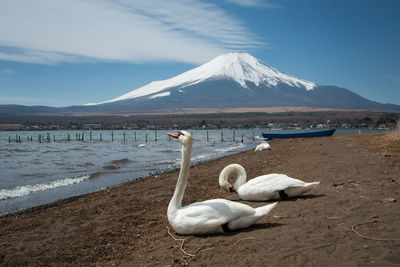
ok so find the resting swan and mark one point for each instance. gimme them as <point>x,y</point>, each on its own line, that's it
<point>262,146</point>
<point>266,187</point>
<point>210,216</point>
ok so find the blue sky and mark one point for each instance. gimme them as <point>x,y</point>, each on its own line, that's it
<point>72,52</point>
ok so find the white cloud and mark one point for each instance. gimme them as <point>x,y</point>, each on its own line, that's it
<point>253,3</point>
<point>21,100</point>
<point>393,78</point>
<point>53,31</point>
<point>7,71</point>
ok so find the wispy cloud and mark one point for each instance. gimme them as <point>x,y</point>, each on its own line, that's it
<point>7,71</point>
<point>253,3</point>
<point>21,100</point>
<point>52,31</point>
<point>393,78</point>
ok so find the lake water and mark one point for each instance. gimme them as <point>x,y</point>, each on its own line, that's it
<point>34,173</point>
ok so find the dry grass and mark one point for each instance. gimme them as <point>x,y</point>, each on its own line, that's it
<point>396,132</point>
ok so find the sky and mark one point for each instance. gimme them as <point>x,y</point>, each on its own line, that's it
<point>72,52</point>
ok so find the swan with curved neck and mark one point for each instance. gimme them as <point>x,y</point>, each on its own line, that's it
<point>210,216</point>
<point>266,187</point>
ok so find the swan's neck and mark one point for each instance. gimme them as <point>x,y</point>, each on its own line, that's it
<point>176,201</point>
<point>232,169</point>
<point>241,177</point>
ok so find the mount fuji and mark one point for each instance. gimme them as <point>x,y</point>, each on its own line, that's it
<point>235,80</point>
<point>229,82</point>
<point>238,69</point>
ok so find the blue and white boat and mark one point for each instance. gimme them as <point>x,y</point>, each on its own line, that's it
<point>312,133</point>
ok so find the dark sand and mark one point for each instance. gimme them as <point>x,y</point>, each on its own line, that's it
<point>127,226</point>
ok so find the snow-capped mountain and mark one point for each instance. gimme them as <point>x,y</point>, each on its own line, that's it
<point>230,81</point>
<point>241,68</point>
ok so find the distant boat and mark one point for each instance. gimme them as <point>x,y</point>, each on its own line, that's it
<point>300,134</point>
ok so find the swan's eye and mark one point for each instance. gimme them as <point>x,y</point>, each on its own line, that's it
<point>180,133</point>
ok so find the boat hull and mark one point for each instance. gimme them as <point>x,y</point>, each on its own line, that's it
<point>297,135</point>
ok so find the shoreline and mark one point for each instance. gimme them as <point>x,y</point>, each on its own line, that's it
<point>73,169</point>
<point>72,198</point>
<point>127,225</point>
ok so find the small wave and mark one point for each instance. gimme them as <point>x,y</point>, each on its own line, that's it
<point>95,175</point>
<point>24,190</point>
<point>202,156</point>
<point>84,164</point>
<point>170,151</point>
<point>111,167</point>
<point>18,150</point>
<point>120,161</point>
<point>217,151</point>
<point>228,149</point>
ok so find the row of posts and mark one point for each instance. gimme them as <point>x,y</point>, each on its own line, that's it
<point>81,137</point>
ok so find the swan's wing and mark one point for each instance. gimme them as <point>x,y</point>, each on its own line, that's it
<point>208,216</point>
<point>274,182</point>
<point>266,187</point>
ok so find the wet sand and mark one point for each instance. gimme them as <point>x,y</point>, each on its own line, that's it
<point>351,219</point>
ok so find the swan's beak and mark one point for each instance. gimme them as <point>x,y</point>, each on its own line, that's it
<point>174,135</point>
<point>232,190</point>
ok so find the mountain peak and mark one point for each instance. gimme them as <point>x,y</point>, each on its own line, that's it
<point>242,68</point>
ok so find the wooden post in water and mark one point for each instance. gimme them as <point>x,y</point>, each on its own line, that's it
<point>90,133</point>
<point>145,140</point>
<point>39,138</point>
<point>9,139</point>
<point>233,135</point>
<point>222,136</point>
<point>135,136</point>
<point>112,136</point>
<point>101,137</point>
<point>242,138</point>
<point>83,136</point>
<point>155,135</point>
<point>124,136</point>
<point>207,137</point>
<point>253,137</point>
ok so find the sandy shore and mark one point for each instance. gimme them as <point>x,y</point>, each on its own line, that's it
<point>351,219</point>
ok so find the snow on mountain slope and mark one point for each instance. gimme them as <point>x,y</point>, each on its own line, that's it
<point>240,67</point>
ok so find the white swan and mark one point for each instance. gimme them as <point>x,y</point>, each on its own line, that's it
<point>266,187</point>
<point>262,146</point>
<point>211,216</point>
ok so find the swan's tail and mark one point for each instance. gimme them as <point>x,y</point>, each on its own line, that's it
<point>299,190</point>
<point>264,210</point>
<point>309,186</point>
<point>246,221</point>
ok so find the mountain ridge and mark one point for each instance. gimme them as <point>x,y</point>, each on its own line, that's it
<point>239,67</point>
<point>229,81</point>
